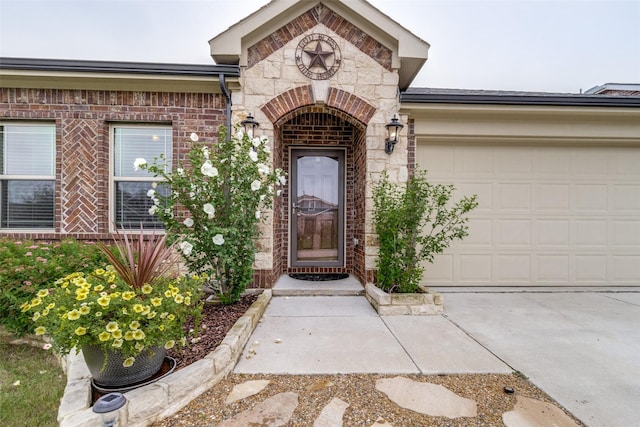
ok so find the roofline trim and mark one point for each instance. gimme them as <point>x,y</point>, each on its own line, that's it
<point>71,65</point>
<point>550,100</point>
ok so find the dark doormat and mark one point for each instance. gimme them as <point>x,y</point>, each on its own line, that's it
<point>318,277</point>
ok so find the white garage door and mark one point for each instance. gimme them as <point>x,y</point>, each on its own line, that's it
<point>548,216</point>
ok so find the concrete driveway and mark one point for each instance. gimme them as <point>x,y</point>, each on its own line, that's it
<point>582,348</point>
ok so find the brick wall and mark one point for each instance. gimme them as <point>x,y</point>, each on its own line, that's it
<point>82,119</point>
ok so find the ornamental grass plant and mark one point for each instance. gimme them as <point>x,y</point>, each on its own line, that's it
<point>129,305</point>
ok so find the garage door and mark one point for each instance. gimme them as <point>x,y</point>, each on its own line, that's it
<point>548,216</point>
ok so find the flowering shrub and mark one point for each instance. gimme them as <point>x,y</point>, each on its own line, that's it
<point>218,198</point>
<point>110,309</point>
<point>27,267</point>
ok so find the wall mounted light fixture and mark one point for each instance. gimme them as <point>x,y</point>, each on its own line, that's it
<point>250,125</point>
<point>393,129</point>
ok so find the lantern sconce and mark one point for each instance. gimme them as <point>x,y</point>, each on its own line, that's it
<point>250,125</point>
<point>393,129</point>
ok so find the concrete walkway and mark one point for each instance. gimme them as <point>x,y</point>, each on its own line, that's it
<point>582,348</point>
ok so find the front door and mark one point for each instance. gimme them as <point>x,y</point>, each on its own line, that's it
<point>317,208</point>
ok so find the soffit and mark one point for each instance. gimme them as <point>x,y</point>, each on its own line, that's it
<point>409,51</point>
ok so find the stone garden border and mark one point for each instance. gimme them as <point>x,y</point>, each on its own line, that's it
<point>427,302</point>
<point>166,396</point>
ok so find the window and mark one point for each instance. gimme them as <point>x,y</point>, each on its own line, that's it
<point>27,176</point>
<point>131,203</point>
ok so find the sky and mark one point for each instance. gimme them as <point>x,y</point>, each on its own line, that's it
<point>528,45</point>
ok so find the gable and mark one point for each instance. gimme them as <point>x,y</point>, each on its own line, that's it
<point>357,21</point>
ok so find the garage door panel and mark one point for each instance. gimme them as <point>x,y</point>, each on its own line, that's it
<point>566,215</point>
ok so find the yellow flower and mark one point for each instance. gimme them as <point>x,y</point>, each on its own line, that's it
<point>151,315</point>
<point>73,315</point>
<point>85,309</point>
<point>138,335</point>
<point>116,334</point>
<point>128,335</point>
<point>81,297</point>
<point>187,300</point>
<point>169,344</point>
<point>161,327</point>
<point>171,317</point>
<point>43,293</point>
<point>147,289</point>
<point>128,362</point>
<point>112,326</point>
<point>138,308</point>
<point>81,330</point>
<point>41,330</point>
<point>104,300</point>
<point>179,299</point>
<point>25,307</point>
<point>156,301</point>
<point>146,310</point>
<point>99,272</point>
<point>98,314</point>
<point>167,293</point>
<point>117,343</point>
<point>139,346</point>
<point>36,301</point>
<point>134,325</point>
<point>50,306</point>
<point>45,311</point>
<point>98,288</point>
<point>36,316</point>
<point>128,295</point>
<point>104,336</point>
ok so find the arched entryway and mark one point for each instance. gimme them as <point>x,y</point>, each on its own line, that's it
<point>315,233</point>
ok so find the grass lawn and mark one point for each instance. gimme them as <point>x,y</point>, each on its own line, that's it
<point>31,385</point>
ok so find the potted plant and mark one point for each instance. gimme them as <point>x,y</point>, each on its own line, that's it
<point>413,223</point>
<point>123,316</point>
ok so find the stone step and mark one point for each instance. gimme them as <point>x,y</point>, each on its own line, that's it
<point>287,287</point>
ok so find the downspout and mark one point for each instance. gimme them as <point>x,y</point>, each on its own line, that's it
<point>227,96</point>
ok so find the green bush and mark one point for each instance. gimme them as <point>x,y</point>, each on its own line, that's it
<point>414,223</point>
<point>27,266</point>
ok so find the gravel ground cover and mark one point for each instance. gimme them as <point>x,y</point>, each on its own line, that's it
<point>366,404</point>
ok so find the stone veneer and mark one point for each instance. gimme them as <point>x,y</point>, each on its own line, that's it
<point>427,302</point>
<point>165,397</point>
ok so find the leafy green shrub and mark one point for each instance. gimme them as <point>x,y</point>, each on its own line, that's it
<point>27,266</point>
<point>414,223</point>
<point>218,198</point>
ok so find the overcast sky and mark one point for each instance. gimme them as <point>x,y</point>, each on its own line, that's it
<point>530,45</point>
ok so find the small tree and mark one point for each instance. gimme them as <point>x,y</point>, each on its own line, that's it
<point>218,198</point>
<point>414,223</point>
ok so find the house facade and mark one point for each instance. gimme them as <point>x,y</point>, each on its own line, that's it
<point>557,175</point>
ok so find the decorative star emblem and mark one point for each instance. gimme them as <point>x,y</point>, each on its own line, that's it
<point>318,56</point>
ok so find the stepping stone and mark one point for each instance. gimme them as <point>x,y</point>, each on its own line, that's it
<point>533,413</point>
<point>246,389</point>
<point>426,398</point>
<point>331,415</point>
<point>381,422</point>
<point>273,412</point>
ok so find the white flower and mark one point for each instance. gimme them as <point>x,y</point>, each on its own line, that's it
<point>218,239</point>
<point>151,193</point>
<point>264,139</point>
<point>192,195</point>
<point>180,171</point>
<point>194,137</point>
<point>153,209</point>
<point>278,193</point>
<point>188,222</point>
<point>208,169</point>
<point>256,142</point>
<point>258,214</point>
<point>240,134</point>
<point>154,184</point>
<point>253,155</point>
<point>186,248</point>
<point>266,148</point>
<point>255,185</point>
<point>282,179</point>
<point>205,152</point>
<point>262,197</point>
<point>137,163</point>
<point>209,210</point>
<point>263,169</point>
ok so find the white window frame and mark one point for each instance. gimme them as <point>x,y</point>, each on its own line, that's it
<point>113,179</point>
<point>51,178</point>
